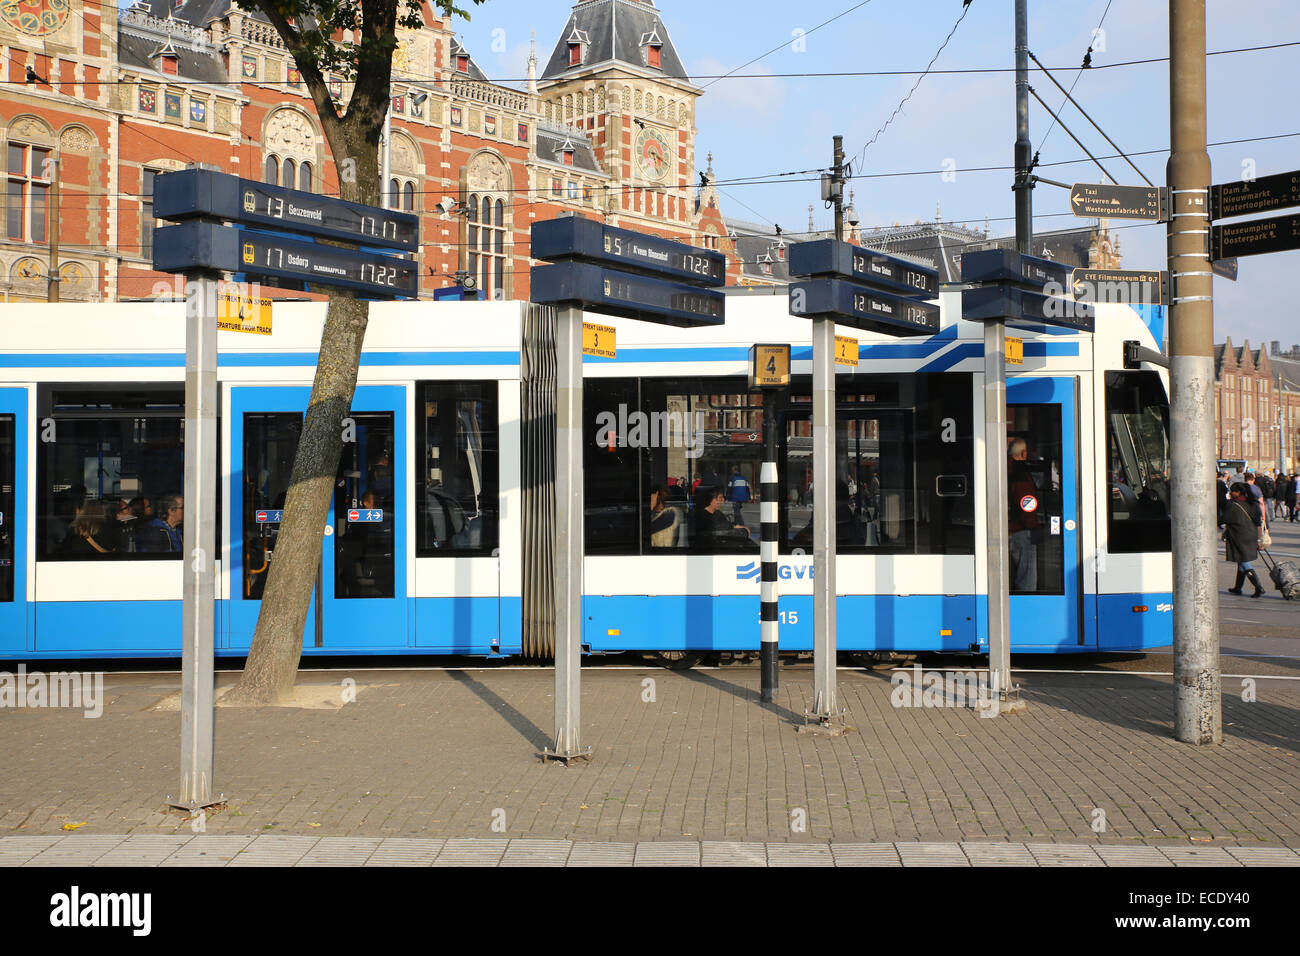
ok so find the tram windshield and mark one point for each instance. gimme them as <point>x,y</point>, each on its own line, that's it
<point>1137,462</point>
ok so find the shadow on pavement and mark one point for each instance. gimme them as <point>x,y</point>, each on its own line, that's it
<point>536,737</point>
<point>744,693</point>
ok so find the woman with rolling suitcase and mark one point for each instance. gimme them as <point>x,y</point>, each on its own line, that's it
<point>1241,519</point>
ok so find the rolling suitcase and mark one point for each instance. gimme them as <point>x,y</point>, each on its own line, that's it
<point>1285,575</point>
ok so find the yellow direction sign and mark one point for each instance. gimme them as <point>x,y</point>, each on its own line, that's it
<point>599,340</point>
<point>769,366</point>
<point>243,313</point>
<point>846,350</point>
<point>1015,351</point>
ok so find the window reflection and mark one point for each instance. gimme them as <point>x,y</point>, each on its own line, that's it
<point>457,466</point>
<point>1137,462</point>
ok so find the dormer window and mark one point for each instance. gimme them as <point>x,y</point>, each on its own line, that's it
<point>780,251</point>
<point>462,63</point>
<point>653,45</point>
<point>566,152</point>
<point>577,41</point>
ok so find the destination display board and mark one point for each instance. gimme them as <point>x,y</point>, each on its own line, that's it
<point>193,193</point>
<point>1026,308</point>
<point>585,240</point>
<point>860,307</point>
<point>628,295</point>
<point>1255,236</point>
<point>826,257</point>
<point>202,245</point>
<point>1007,265</point>
<point>1249,196</point>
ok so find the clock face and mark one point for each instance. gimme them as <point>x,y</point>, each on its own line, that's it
<point>36,18</point>
<point>652,154</point>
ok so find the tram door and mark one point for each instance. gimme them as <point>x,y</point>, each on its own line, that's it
<point>363,566</point>
<point>13,520</point>
<point>1043,513</point>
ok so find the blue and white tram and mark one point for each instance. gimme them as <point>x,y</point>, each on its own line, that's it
<point>438,539</point>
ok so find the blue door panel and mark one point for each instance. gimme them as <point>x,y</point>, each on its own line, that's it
<point>460,625</point>
<point>13,526</point>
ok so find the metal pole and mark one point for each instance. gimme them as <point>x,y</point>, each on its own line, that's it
<point>52,275</point>
<point>1024,148</point>
<point>387,154</point>
<point>769,497</point>
<point>199,541</point>
<point>825,707</point>
<point>1198,706</point>
<point>568,536</point>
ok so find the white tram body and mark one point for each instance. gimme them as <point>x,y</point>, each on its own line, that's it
<point>439,531</point>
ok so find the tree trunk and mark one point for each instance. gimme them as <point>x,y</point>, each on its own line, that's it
<point>274,655</point>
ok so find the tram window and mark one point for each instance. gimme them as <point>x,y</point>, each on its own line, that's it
<point>904,464</point>
<point>456,481</point>
<point>7,452</point>
<point>270,444</point>
<point>701,443</point>
<point>1137,463</point>
<point>611,467</point>
<point>109,477</point>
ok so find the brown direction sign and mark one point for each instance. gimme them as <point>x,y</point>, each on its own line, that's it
<point>1255,195</point>
<point>1255,236</point>
<point>1117,202</point>
<point>1121,286</point>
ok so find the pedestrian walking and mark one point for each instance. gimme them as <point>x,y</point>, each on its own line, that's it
<point>1242,521</point>
<point>1291,496</point>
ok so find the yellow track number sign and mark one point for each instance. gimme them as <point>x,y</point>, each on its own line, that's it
<point>1015,351</point>
<point>846,350</point>
<point>599,340</point>
<point>243,313</point>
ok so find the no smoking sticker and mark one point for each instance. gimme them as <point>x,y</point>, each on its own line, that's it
<point>1029,504</point>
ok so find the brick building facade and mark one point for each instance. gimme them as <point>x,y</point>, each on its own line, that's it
<point>1257,405</point>
<point>110,98</point>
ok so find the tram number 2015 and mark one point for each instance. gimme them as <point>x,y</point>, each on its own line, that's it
<point>378,275</point>
<point>786,617</point>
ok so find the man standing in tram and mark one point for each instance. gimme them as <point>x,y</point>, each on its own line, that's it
<point>1024,501</point>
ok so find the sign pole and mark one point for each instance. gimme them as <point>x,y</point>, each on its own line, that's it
<point>770,503</point>
<point>825,708</point>
<point>1198,708</point>
<point>199,542</point>
<point>569,511</point>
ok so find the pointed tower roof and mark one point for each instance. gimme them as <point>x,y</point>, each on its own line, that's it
<point>615,33</point>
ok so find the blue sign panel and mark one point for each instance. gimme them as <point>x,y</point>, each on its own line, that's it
<point>1007,265</point>
<point>1024,307</point>
<point>364,515</point>
<point>862,307</point>
<point>589,241</point>
<point>191,193</point>
<point>204,245</point>
<point>624,294</point>
<point>269,517</point>
<point>826,257</point>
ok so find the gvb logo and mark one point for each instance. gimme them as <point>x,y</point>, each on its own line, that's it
<point>785,572</point>
<point>76,909</point>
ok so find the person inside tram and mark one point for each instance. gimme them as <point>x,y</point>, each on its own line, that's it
<point>163,534</point>
<point>847,529</point>
<point>1023,520</point>
<point>712,529</point>
<point>667,517</point>
<point>86,537</point>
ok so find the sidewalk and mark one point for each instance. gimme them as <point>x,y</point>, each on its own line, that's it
<point>451,756</point>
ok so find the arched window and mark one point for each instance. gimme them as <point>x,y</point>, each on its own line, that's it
<point>486,242</point>
<point>290,173</point>
<point>408,197</point>
<point>304,177</point>
<point>394,193</point>
<point>272,170</point>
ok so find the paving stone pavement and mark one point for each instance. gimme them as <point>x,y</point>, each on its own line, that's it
<point>210,850</point>
<point>441,767</point>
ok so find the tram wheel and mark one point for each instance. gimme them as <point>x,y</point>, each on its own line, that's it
<point>872,659</point>
<point>677,660</point>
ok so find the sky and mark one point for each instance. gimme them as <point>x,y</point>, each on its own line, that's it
<point>952,125</point>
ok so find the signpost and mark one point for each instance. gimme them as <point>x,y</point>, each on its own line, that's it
<point>875,292</point>
<point>1125,287</point>
<point>1102,201</point>
<point>1255,237</point>
<point>614,272</point>
<point>1249,196</point>
<point>769,370</point>
<point>203,247</point>
<point>1021,290</point>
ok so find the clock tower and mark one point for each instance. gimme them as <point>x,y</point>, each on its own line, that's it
<point>615,74</point>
